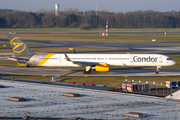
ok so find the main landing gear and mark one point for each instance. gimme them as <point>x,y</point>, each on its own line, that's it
<point>87,70</point>
<point>157,71</point>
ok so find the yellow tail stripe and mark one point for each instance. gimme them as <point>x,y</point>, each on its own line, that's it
<point>45,59</point>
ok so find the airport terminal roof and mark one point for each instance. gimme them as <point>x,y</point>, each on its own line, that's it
<point>175,95</point>
<point>48,101</point>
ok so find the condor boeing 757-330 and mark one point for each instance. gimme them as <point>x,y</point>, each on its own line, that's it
<point>97,62</point>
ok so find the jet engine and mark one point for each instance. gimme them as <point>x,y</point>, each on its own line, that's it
<point>102,67</point>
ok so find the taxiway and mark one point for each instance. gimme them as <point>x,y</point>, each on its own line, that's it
<point>39,71</point>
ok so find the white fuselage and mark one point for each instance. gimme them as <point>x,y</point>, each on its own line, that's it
<point>59,60</point>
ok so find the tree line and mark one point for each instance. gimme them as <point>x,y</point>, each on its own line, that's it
<point>73,19</point>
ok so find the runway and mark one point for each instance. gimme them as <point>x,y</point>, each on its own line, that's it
<point>34,71</point>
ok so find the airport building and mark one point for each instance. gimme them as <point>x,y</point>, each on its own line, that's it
<point>50,101</point>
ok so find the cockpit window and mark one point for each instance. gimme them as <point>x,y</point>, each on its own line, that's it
<point>169,59</point>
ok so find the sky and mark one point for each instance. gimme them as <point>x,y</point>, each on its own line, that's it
<point>109,5</point>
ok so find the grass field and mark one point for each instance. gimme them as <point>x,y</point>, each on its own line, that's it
<point>97,38</point>
<point>6,51</point>
<point>66,49</point>
<point>108,81</point>
<point>53,50</point>
<point>117,81</point>
<point>93,30</point>
<point>6,47</point>
<point>8,63</point>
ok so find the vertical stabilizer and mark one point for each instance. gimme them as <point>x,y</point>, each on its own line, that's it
<point>19,47</point>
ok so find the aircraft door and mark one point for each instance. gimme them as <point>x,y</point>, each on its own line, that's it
<point>131,59</point>
<point>59,59</point>
<point>160,59</point>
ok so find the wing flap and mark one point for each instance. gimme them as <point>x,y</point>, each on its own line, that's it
<point>82,63</point>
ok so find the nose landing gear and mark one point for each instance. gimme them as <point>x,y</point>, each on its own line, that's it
<point>157,71</point>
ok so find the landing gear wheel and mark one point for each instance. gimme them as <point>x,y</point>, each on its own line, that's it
<point>84,72</point>
<point>157,72</point>
<point>88,72</point>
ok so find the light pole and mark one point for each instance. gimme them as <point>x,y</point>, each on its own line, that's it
<point>149,87</point>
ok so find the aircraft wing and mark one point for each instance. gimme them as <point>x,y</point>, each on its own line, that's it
<point>82,63</point>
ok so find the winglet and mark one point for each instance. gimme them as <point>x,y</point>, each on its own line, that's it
<point>73,50</point>
<point>67,58</point>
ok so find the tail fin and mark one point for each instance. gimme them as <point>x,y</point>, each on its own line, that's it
<point>19,47</point>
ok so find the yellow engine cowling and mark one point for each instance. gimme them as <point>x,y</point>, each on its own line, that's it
<point>102,67</point>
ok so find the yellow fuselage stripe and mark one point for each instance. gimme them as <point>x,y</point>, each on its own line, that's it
<point>45,59</point>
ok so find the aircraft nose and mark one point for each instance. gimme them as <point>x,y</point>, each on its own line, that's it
<point>173,62</point>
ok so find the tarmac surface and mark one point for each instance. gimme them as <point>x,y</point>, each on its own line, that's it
<point>34,71</point>
<point>11,70</point>
<point>132,73</point>
<point>45,100</point>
